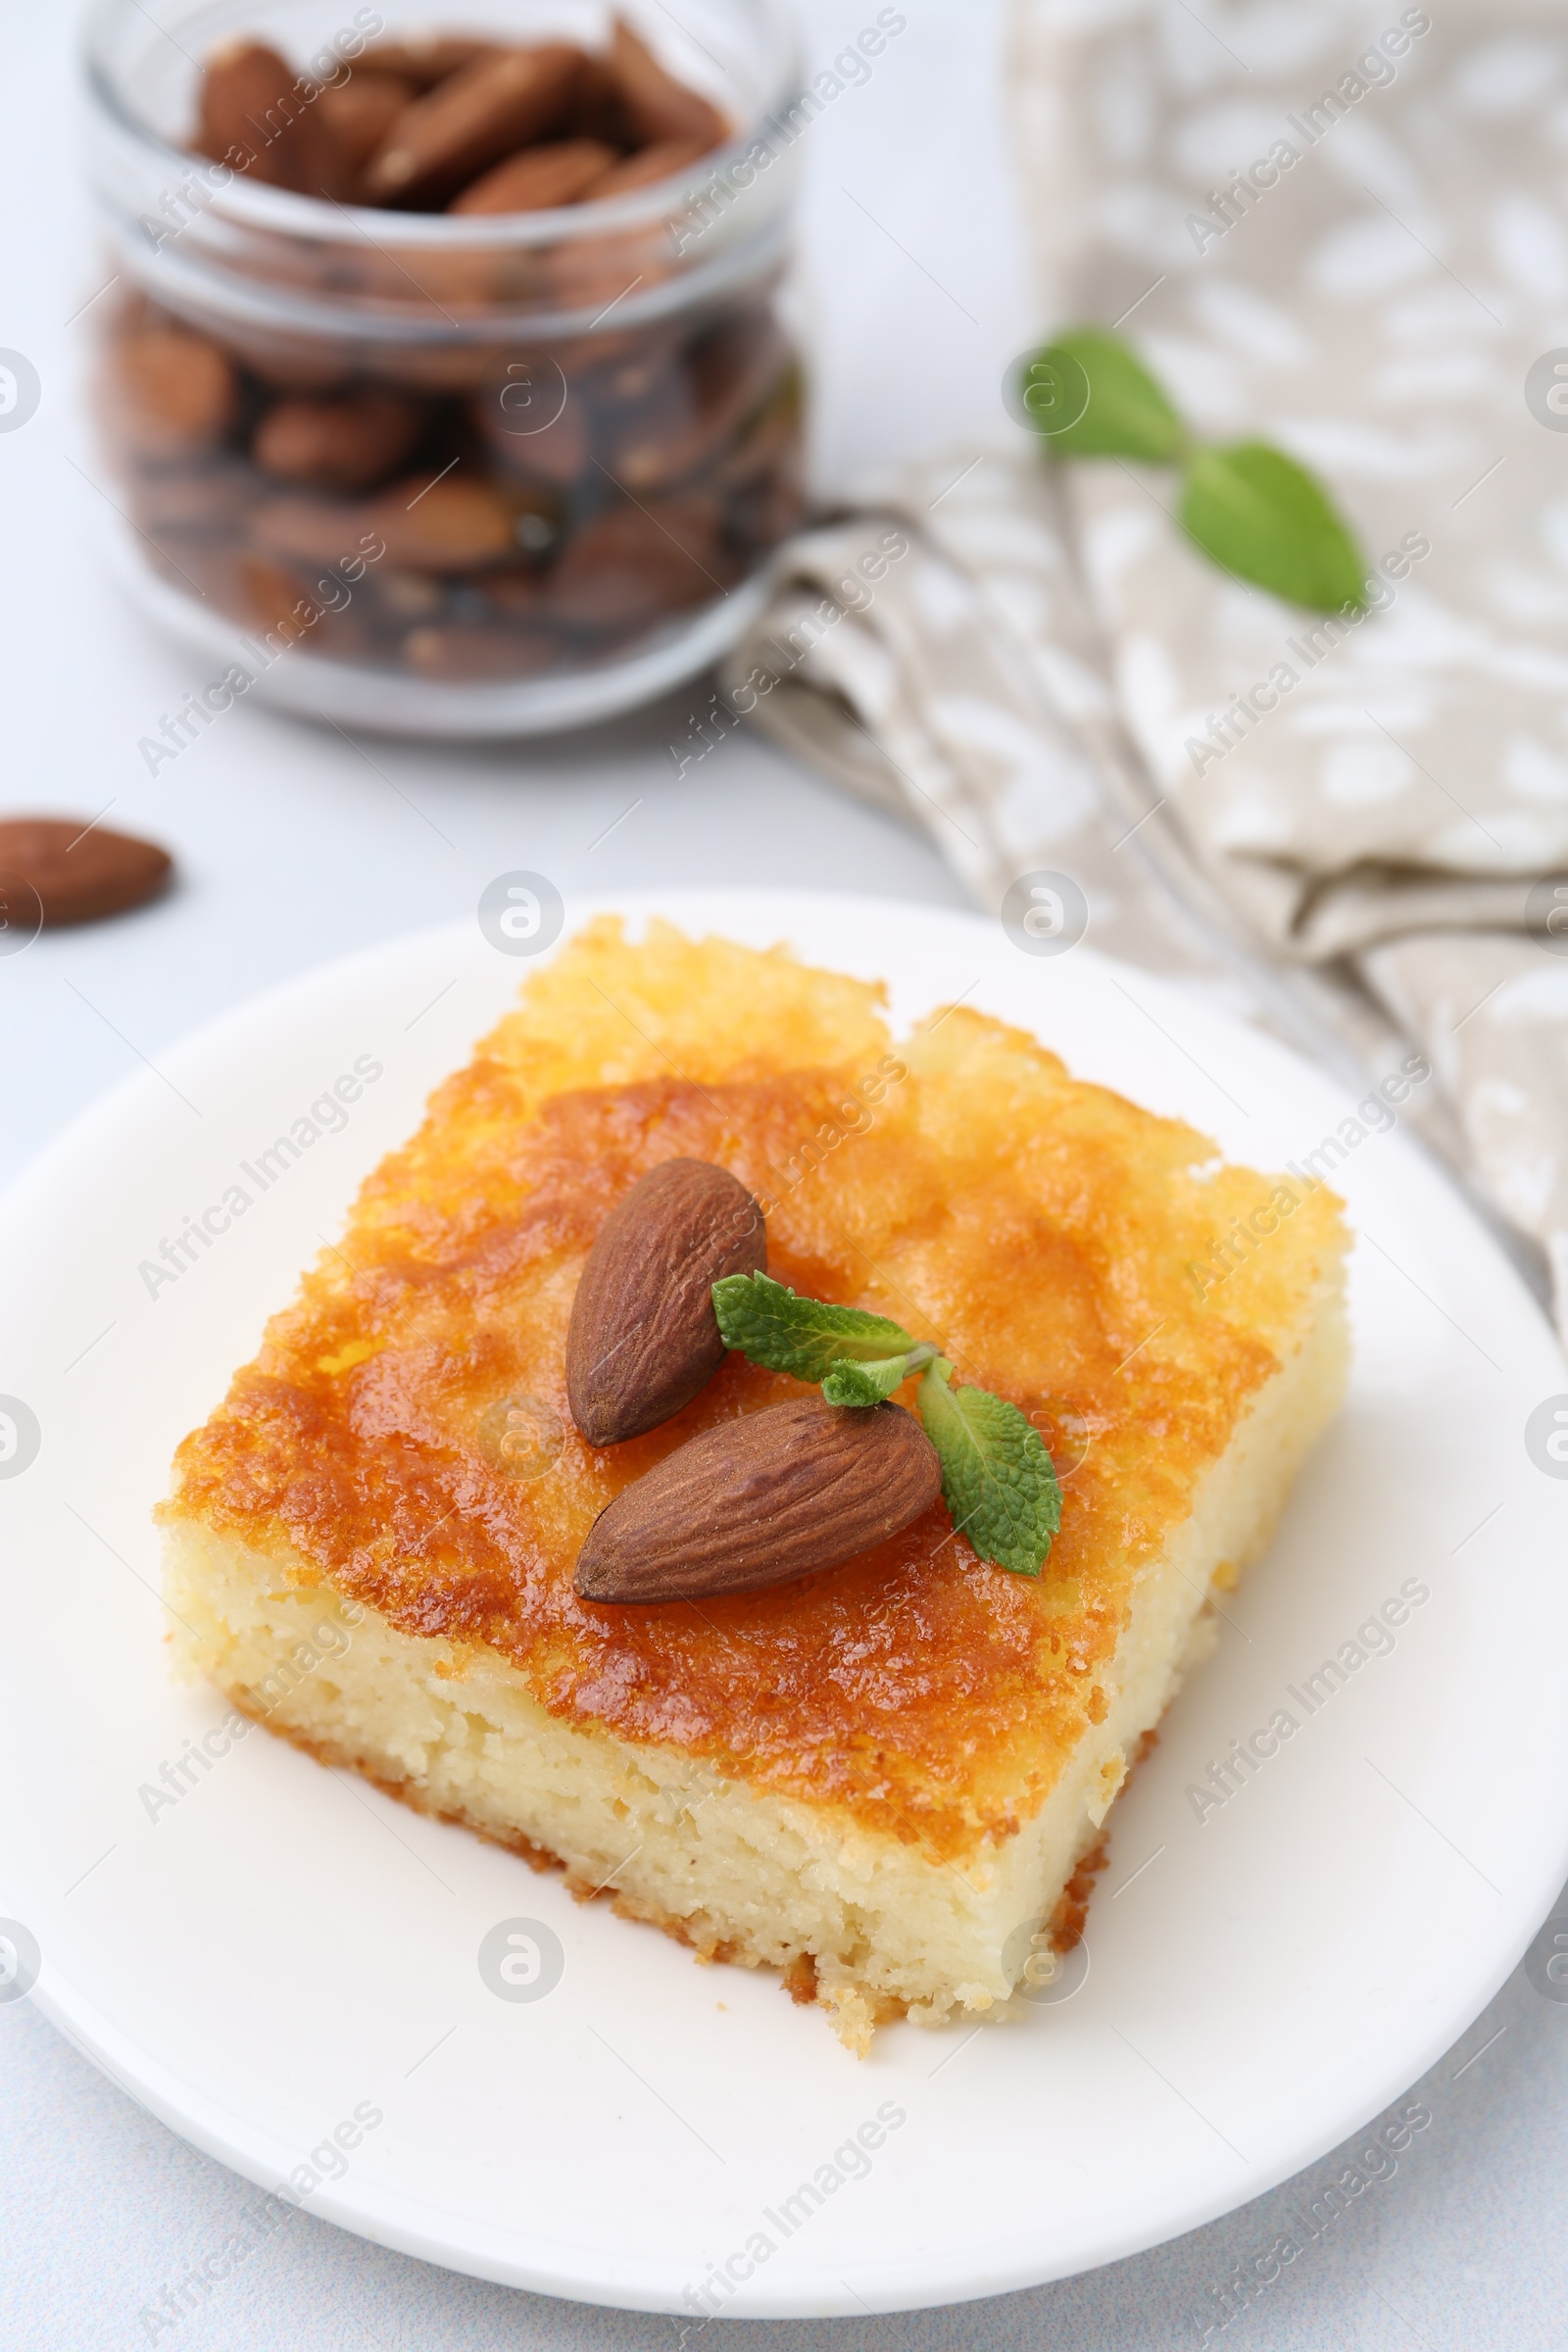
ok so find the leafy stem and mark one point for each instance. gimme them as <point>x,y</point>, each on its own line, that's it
<point>997,1476</point>
<point>1253,511</point>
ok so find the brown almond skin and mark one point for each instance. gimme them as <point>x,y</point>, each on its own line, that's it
<point>289,363</point>
<point>79,870</point>
<point>539,180</point>
<point>556,452</point>
<point>728,377</point>
<point>595,111</point>
<point>443,526</point>
<point>346,444</point>
<point>212,503</point>
<point>359,113</point>
<point>425,61</point>
<point>279,603</point>
<point>631,564</point>
<point>470,652</point>
<point>173,392</point>
<point>483,112</point>
<point>763,1500</point>
<point>657,105</point>
<point>518,595</point>
<point>644,1336</point>
<point>661,160</point>
<point>255,116</point>
<point>307,530</point>
<point>450,525</point>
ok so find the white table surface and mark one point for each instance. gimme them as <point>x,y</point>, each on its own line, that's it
<point>294,847</point>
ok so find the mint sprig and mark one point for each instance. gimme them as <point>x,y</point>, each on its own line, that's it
<point>848,1382</point>
<point>1253,510</point>
<point>1263,517</point>
<point>1091,395</point>
<point>997,1476</point>
<point>773,1327</point>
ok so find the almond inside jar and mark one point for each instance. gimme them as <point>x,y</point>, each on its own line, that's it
<point>461,510</point>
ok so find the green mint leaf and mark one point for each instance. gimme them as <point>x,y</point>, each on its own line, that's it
<point>997,1478</point>
<point>1089,396</point>
<point>1262,516</point>
<point>865,1384</point>
<point>775,1327</point>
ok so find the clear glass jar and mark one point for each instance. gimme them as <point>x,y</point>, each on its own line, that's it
<point>589,419</point>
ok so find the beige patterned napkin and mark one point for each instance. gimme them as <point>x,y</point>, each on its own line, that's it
<point>1344,228</point>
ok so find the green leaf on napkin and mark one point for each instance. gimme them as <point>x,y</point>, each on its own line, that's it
<point>1092,397</point>
<point>1250,508</point>
<point>1264,517</point>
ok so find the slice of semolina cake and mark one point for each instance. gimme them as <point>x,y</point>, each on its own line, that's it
<point>879,1778</point>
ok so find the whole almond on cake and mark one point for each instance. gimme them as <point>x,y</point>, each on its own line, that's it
<point>758,1501</point>
<point>643,1337</point>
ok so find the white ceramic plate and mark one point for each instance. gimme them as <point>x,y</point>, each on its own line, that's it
<point>283,1946</point>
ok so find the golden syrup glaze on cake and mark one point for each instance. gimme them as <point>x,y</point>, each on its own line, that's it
<point>1042,1229</point>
